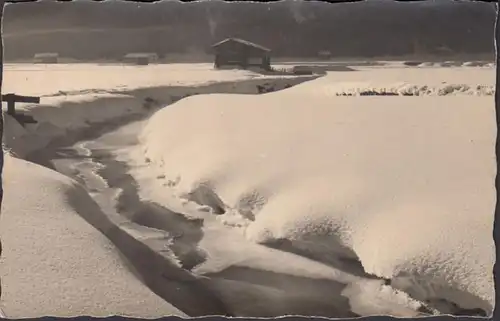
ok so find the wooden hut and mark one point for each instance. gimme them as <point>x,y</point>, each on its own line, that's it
<point>325,55</point>
<point>140,58</point>
<point>241,53</point>
<point>46,58</point>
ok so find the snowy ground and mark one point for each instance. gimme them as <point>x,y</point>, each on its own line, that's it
<point>298,201</point>
<point>55,263</point>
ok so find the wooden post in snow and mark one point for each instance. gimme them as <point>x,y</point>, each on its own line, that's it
<point>12,99</point>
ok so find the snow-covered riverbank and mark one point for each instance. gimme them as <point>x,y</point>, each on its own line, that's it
<point>291,200</point>
<point>64,118</point>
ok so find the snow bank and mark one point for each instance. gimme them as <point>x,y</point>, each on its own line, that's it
<point>64,117</point>
<point>405,185</point>
<point>395,80</point>
<point>47,80</point>
<point>482,64</point>
<point>75,107</point>
<point>417,90</point>
<point>78,99</point>
<point>55,263</point>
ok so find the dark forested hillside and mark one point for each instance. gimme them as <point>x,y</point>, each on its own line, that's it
<point>107,30</point>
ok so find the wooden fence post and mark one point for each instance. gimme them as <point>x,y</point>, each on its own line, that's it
<point>12,99</point>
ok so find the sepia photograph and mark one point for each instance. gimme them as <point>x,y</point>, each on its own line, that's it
<point>248,159</point>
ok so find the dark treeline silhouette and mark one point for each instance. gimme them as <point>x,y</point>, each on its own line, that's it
<point>374,28</point>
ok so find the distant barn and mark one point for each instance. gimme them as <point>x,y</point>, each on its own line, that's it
<point>140,58</point>
<point>241,53</point>
<point>325,54</point>
<point>46,58</point>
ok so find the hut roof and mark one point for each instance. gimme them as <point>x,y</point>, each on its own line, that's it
<point>46,55</point>
<point>141,55</point>
<point>243,42</point>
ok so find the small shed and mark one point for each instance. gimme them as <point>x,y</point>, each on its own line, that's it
<point>140,58</point>
<point>241,53</point>
<point>302,70</point>
<point>325,54</point>
<point>46,58</point>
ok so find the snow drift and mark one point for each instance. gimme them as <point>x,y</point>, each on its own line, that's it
<point>55,263</point>
<point>405,185</point>
<point>394,80</point>
<point>75,102</point>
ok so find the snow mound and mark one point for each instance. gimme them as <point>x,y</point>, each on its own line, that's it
<point>419,90</point>
<point>76,110</point>
<point>476,64</point>
<point>404,185</point>
<point>55,263</point>
<point>371,297</point>
<point>398,81</point>
<point>60,117</point>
